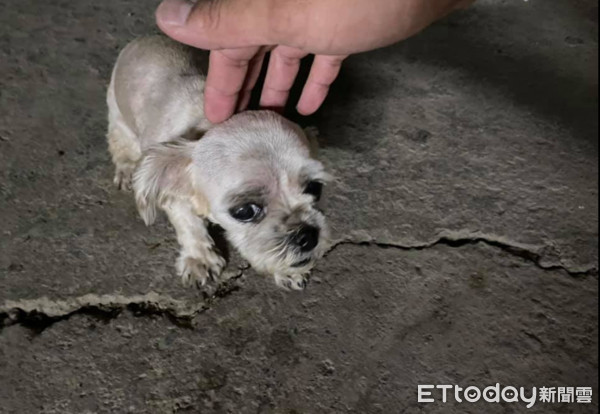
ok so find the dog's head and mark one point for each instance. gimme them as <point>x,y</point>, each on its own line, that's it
<point>254,175</point>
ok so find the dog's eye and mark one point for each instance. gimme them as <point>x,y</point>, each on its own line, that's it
<point>314,188</point>
<point>246,213</point>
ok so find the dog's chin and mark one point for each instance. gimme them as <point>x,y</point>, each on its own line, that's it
<point>272,267</point>
<point>301,264</point>
<point>290,265</point>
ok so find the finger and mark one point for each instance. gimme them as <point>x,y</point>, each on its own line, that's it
<point>215,24</point>
<point>283,69</point>
<point>323,72</point>
<point>227,72</point>
<point>255,67</point>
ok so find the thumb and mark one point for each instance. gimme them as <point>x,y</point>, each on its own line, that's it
<point>215,24</point>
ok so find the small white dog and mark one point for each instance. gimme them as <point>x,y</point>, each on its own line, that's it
<point>253,175</point>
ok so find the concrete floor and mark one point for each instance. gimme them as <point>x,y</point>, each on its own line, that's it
<point>465,208</point>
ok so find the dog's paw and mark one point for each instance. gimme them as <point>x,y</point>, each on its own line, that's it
<point>197,271</point>
<point>292,282</point>
<point>123,177</point>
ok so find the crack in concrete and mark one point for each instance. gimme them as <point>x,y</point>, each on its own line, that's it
<point>39,314</point>
<point>532,253</point>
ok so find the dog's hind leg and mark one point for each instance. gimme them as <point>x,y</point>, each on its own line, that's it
<point>123,144</point>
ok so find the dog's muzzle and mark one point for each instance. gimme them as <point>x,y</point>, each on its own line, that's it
<point>306,238</point>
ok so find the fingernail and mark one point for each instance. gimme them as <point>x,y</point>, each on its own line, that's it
<point>174,12</point>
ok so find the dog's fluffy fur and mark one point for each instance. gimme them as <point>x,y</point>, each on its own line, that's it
<point>175,160</point>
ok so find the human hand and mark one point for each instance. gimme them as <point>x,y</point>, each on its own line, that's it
<point>240,32</point>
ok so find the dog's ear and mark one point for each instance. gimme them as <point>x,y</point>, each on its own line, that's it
<point>165,174</point>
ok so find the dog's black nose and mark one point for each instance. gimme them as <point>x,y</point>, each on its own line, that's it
<point>306,238</point>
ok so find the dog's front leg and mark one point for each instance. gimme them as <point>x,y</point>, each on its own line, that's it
<point>198,259</point>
